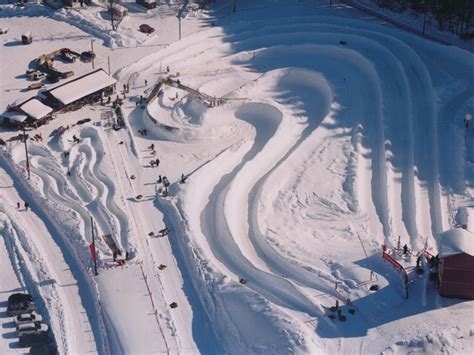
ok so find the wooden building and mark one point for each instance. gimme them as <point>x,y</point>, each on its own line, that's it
<point>86,89</point>
<point>456,266</point>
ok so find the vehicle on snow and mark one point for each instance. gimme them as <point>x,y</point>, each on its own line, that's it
<point>35,86</point>
<point>35,75</point>
<point>146,28</point>
<point>28,318</point>
<point>27,340</point>
<point>20,303</point>
<point>20,297</point>
<point>52,78</point>
<point>67,56</point>
<point>20,308</point>
<point>30,328</point>
<point>87,56</point>
<point>43,349</point>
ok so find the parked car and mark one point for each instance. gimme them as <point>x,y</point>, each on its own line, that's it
<point>19,297</point>
<point>35,86</point>
<point>27,340</point>
<point>30,328</point>
<point>20,303</point>
<point>29,73</point>
<point>43,349</point>
<point>52,78</point>
<point>87,56</point>
<point>35,74</point>
<point>20,308</point>
<point>38,76</point>
<point>28,318</point>
<point>3,30</point>
<point>146,28</point>
<point>67,56</point>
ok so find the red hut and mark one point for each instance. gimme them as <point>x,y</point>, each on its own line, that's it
<point>456,267</point>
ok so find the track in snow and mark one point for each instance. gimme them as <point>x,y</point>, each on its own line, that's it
<point>381,114</point>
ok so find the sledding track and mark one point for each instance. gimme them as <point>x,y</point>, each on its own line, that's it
<point>49,271</point>
<point>379,112</point>
<point>348,131</point>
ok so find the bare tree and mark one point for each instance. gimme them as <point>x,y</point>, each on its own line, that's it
<point>116,15</point>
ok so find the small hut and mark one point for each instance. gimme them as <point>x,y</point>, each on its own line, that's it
<point>456,267</point>
<point>12,118</point>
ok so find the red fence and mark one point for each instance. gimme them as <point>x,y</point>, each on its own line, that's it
<point>398,266</point>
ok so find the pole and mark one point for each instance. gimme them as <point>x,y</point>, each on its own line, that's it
<point>26,152</point>
<point>362,244</point>
<point>92,50</point>
<point>424,18</point>
<point>93,246</point>
<point>179,22</point>
<point>235,6</point>
<point>108,63</point>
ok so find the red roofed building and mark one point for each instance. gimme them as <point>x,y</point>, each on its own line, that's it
<point>456,267</point>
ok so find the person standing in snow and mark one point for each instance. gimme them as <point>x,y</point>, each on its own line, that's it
<point>405,249</point>
<point>26,206</point>
<point>18,205</point>
<point>418,260</point>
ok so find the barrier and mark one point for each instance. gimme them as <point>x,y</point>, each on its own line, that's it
<point>398,266</point>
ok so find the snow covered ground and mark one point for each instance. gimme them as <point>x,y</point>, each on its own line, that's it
<point>336,134</point>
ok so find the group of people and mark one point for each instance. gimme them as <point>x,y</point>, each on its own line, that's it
<point>155,163</point>
<point>37,137</point>
<point>18,205</point>
<point>143,132</point>
<point>163,180</point>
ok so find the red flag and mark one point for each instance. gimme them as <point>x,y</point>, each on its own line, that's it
<point>92,250</point>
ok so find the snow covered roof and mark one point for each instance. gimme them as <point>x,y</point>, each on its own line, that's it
<point>82,86</point>
<point>14,116</point>
<point>455,241</point>
<point>35,108</point>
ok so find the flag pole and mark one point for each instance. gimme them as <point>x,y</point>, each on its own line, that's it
<point>94,258</point>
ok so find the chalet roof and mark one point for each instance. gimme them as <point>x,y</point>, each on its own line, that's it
<point>455,241</point>
<point>35,108</point>
<point>82,86</point>
<point>15,116</point>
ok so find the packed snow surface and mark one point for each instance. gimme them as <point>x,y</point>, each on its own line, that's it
<point>297,138</point>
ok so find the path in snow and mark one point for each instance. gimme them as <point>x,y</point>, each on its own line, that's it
<point>46,274</point>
